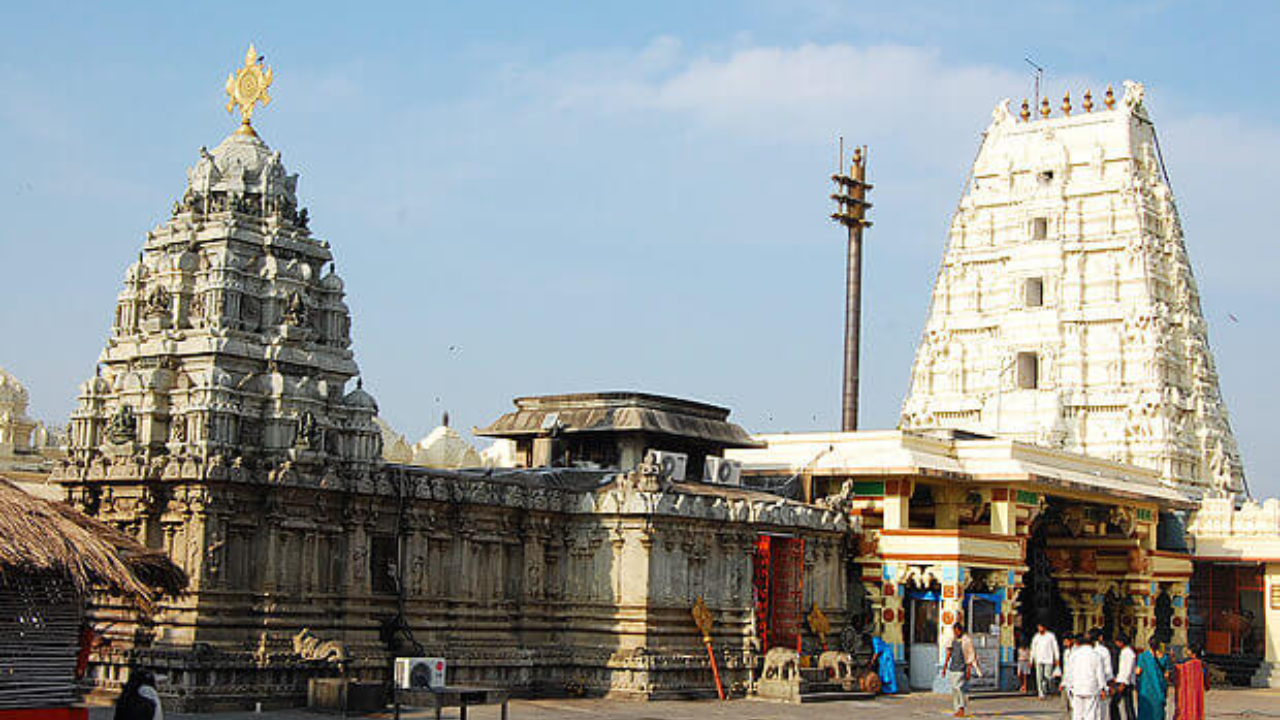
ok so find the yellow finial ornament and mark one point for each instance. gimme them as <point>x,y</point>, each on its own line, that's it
<point>247,87</point>
<point>1088,101</point>
<point>1110,98</point>
<point>1044,107</point>
<point>1026,111</point>
<point>1066,104</point>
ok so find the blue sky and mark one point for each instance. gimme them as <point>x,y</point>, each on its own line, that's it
<point>541,197</point>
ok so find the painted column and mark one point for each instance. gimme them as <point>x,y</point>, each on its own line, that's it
<point>897,499</point>
<point>1270,672</point>
<point>892,614</point>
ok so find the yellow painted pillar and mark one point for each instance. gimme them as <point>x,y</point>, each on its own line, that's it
<point>897,504</point>
<point>1004,511</point>
<point>893,614</point>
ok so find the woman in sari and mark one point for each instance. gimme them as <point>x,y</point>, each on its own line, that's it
<point>1192,684</point>
<point>882,662</point>
<point>1151,684</point>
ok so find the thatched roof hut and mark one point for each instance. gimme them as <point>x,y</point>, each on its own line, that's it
<point>51,558</point>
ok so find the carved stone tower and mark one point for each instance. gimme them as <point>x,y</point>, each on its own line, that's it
<point>226,380</point>
<point>1065,312</point>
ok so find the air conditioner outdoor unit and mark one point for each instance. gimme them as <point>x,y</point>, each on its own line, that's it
<point>420,673</point>
<point>723,472</point>
<point>672,463</point>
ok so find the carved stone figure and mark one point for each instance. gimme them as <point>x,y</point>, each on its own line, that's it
<point>310,436</point>
<point>123,427</point>
<point>295,312</point>
<point>311,648</point>
<point>781,664</point>
<point>158,302</point>
<point>839,665</point>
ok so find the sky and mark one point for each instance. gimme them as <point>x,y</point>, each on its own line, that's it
<point>526,198</point>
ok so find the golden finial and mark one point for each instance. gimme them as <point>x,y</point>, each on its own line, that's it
<point>248,87</point>
<point>1066,104</point>
<point>1110,99</point>
<point>857,156</point>
<point>1088,101</point>
<point>1026,110</point>
<point>1044,107</point>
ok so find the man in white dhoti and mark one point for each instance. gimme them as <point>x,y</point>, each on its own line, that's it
<point>1086,680</point>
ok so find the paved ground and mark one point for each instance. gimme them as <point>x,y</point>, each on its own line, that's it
<point>1225,704</point>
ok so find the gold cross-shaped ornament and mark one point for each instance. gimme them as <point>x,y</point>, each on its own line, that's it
<point>248,87</point>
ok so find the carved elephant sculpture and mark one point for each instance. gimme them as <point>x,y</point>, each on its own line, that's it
<point>781,664</point>
<point>839,665</point>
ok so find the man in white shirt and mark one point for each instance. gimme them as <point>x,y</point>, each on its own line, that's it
<point>1068,646</point>
<point>1122,692</point>
<point>1086,681</point>
<point>1045,658</point>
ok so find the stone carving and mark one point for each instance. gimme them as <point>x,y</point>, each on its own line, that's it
<point>781,664</point>
<point>1134,92</point>
<point>295,312</point>
<point>123,427</point>
<point>839,665</point>
<point>309,435</point>
<point>178,429</point>
<point>158,302</point>
<point>311,648</point>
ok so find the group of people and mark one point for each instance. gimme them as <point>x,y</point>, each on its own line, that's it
<point>1132,685</point>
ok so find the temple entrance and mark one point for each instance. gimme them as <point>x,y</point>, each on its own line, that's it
<point>1041,601</point>
<point>982,611</point>
<point>1226,611</point>
<point>922,637</point>
<point>778,580</point>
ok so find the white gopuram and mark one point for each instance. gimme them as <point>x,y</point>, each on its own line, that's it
<point>1065,312</point>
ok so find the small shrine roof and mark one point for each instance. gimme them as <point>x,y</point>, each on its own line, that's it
<point>613,412</point>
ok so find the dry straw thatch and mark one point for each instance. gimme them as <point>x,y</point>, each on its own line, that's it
<point>41,537</point>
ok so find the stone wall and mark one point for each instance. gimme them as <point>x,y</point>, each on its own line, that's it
<point>539,581</point>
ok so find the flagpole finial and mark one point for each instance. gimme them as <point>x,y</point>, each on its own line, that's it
<point>247,87</point>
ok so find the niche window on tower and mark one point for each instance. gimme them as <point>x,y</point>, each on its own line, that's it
<point>1028,371</point>
<point>1033,292</point>
<point>383,573</point>
<point>1039,228</point>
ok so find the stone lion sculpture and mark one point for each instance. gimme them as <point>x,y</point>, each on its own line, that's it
<point>781,664</point>
<point>310,647</point>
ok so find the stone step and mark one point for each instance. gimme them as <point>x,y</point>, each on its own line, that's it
<point>834,696</point>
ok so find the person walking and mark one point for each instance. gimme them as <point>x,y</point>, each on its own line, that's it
<point>1086,681</point>
<point>1192,683</point>
<point>1122,690</point>
<point>1024,665</point>
<point>1068,647</point>
<point>1045,658</point>
<point>138,698</point>
<point>1152,682</point>
<point>959,661</point>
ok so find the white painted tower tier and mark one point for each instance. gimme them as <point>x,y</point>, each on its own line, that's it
<point>1065,312</point>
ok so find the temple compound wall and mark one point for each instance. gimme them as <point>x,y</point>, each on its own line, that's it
<point>1065,312</point>
<point>544,582</point>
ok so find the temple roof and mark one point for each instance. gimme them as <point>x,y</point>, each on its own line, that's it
<point>612,412</point>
